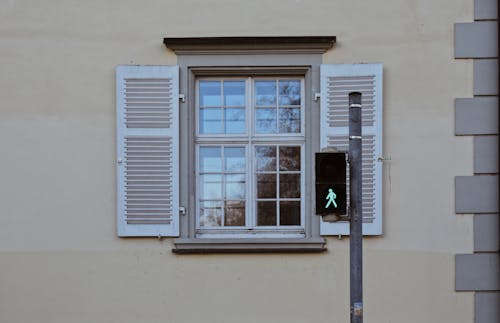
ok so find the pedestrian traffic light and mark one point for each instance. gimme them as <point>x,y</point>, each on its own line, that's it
<point>331,183</point>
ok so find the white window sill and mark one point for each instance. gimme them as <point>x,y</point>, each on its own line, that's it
<point>185,246</point>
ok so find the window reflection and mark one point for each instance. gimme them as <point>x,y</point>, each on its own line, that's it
<point>224,188</point>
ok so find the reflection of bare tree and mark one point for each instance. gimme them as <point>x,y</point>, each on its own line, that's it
<point>289,158</point>
<point>266,213</point>
<point>266,158</point>
<point>289,92</point>
<point>265,120</point>
<point>289,120</point>
<point>290,213</point>
<point>211,217</point>
<point>266,186</point>
<point>265,93</point>
<point>234,213</point>
<point>234,93</point>
<point>290,185</point>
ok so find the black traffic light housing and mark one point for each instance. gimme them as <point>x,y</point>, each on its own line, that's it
<point>331,178</point>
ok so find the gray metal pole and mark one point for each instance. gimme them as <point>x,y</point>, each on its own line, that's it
<point>356,234</point>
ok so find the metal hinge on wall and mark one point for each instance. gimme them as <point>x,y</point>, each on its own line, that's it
<point>182,97</point>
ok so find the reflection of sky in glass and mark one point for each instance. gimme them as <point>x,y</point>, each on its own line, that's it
<point>235,120</point>
<point>289,93</point>
<point>210,120</point>
<point>222,182</point>
<point>234,93</point>
<point>235,186</point>
<point>211,186</point>
<point>210,94</point>
<point>210,159</point>
<point>222,186</point>
<point>210,214</point>
<point>265,93</point>
<point>265,120</point>
<point>235,158</point>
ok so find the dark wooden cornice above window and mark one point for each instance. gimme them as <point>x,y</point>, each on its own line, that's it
<point>250,45</point>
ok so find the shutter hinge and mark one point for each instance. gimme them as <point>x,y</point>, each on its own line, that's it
<point>182,97</point>
<point>383,158</point>
<point>317,96</point>
<point>182,210</point>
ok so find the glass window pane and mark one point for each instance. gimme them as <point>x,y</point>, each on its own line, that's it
<point>234,213</point>
<point>210,214</point>
<point>210,120</point>
<point>289,92</point>
<point>235,158</point>
<point>235,120</point>
<point>290,185</point>
<point>210,159</point>
<point>234,93</point>
<point>265,120</point>
<point>265,158</point>
<point>289,158</point>
<point>235,187</point>
<point>290,213</point>
<point>266,213</point>
<point>289,120</point>
<point>210,187</point>
<point>265,93</point>
<point>266,185</point>
<point>210,94</point>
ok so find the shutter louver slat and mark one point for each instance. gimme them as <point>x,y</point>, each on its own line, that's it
<point>147,110</point>
<point>336,83</point>
<point>338,99</point>
<point>151,100</point>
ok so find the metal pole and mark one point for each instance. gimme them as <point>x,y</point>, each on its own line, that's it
<point>356,234</point>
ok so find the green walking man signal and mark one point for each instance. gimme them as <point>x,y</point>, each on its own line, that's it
<point>331,198</point>
<point>331,178</point>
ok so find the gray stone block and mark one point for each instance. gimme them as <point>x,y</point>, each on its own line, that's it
<point>485,9</point>
<point>485,154</point>
<point>485,77</point>
<point>477,272</point>
<point>476,116</point>
<point>486,236</point>
<point>476,40</point>
<point>487,307</point>
<point>476,194</point>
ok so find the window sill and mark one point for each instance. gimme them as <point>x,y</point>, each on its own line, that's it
<point>191,246</point>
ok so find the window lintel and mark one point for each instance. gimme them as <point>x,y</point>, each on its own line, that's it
<point>253,45</point>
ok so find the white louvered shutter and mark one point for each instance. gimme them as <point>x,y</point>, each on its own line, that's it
<point>336,83</point>
<point>147,150</point>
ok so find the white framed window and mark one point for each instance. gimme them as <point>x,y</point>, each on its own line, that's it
<point>250,157</point>
<point>221,174</point>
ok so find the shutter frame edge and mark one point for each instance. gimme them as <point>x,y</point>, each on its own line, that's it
<point>146,230</point>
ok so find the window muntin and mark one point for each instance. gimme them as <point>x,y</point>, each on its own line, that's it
<point>267,194</point>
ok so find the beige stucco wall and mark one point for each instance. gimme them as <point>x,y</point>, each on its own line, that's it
<point>60,259</point>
